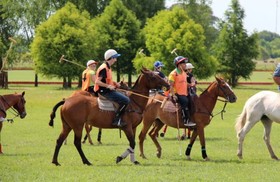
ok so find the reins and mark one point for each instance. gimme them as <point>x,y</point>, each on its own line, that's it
<point>15,112</point>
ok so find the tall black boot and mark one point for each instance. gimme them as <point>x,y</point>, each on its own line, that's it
<point>187,118</point>
<point>117,120</point>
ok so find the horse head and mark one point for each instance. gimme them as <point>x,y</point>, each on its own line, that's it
<point>225,91</point>
<point>20,106</point>
<point>151,80</point>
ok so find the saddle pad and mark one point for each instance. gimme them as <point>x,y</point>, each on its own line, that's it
<point>169,107</point>
<point>105,105</point>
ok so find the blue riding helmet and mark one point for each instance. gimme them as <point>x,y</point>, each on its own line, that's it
<point>158,64</point>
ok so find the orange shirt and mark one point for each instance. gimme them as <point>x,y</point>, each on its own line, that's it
<point>179,78</point>
<point>109,79</point>
<point>86,79</point>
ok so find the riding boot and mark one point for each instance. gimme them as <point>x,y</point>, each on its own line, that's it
<point>187,118</point>
<point>117,120</point>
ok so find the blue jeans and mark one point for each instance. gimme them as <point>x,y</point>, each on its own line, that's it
<point>116,97</point>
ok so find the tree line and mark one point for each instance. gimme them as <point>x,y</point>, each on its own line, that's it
<point>143,31</point>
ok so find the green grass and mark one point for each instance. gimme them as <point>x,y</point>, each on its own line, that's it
<point>29,144</point>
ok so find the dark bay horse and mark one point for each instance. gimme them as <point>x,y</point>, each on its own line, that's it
<point>80,110</point>
<point>14,101</point>
<point>201,115</point>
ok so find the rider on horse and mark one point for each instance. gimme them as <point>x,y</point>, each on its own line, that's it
<point>178,88</point>
<point>105,86</point>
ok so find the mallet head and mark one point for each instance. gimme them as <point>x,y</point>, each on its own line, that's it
<point>12,40</point>
<point>61,60</point>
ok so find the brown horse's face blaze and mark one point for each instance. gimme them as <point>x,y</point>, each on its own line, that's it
<point>20,106</point>
<point>225,91</point>
<point>154,80</point>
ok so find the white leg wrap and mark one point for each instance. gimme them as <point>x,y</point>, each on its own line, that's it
<point>128,151</point>
<point>2,119</point>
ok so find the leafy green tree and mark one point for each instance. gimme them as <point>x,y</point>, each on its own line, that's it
<point>171,29</point>
<point>234,48</point>
<point>201,12</point>
<point>118,28</point>
<point>68,33</point>
<point>144,9</point>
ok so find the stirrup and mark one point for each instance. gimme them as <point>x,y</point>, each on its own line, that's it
<point>118,122</point>
<point>189,123</point>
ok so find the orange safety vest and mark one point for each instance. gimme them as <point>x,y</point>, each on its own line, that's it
<point>180,82</point>
<point>86,79</point>
<point>109,79</point>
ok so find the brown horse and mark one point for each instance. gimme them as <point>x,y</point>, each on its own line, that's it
<point>81,109</point>
<point>201,115</point>
<point>17,102</point>
<point>88,128</point>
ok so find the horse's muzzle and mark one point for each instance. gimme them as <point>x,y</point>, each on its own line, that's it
<point>22,115</point>
<point>232,98</point>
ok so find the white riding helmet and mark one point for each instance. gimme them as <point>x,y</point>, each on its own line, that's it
<point>189,66</point>
<point>111,53</point>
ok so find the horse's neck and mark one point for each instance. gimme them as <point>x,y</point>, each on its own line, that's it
<point>6,102</point>
<point>140,100</point>
<point>209,99</point>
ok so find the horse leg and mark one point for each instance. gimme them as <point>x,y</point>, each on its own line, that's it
<point>99,136</point>
<point>1,152</point>
<point>77,142</point>
<point>192,140</point>
<point>154,133</point>
<point>200,131</point>
<point>267,129</point>
<point>163,131</point>
<point>129,151</point>
<point>63,135</point>
<point>142,136</point>
<point>241,135</point>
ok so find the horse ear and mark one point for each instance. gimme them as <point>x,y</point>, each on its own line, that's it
<point>23,93</point>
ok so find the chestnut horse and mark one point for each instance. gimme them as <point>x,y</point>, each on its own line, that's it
<point>17,102</point>
<point>80,110</point>
<point>201,115</point>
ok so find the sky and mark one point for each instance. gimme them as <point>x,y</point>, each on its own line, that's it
<point>259,14</point>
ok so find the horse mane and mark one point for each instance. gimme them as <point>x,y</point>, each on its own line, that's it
<point>208,88</point>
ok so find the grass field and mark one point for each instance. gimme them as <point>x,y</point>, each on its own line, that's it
<point>28,147</point>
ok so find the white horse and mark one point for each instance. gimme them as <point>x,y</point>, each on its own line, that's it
<point>264,106</point>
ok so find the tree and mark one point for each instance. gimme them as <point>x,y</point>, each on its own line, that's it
<point>234,48</point>
<point>118,28</point>
<point>67,32</point>
<point>144,9</point>
<point>201,12</point>
<point>171,29</point>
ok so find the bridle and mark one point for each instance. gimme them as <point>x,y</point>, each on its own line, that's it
<point>14,111</point>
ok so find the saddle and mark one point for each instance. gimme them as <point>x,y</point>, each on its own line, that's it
<point>170,106</point>
<point>105,104</point>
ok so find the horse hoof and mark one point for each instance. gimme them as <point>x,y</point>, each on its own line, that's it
<point>143,156</point>
<point>207,159</point>
<point>158,154</point>
<point>161,135</point>
<point>56,163</point>
<point>240,156</point>
<point>189,157</point>
<point>118,159</point>
<point>136,163</point>
<point>275,158</point>
<point>100,143</point>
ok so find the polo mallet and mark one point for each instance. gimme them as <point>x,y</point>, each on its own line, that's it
<point>174,51</point>
<point>62,59</point>
<point>177,116</point>
<point>13,41</point>
<point>142,53</point>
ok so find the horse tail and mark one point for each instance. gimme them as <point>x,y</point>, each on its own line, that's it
<point>52,115</point>
<point>240,120</point>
